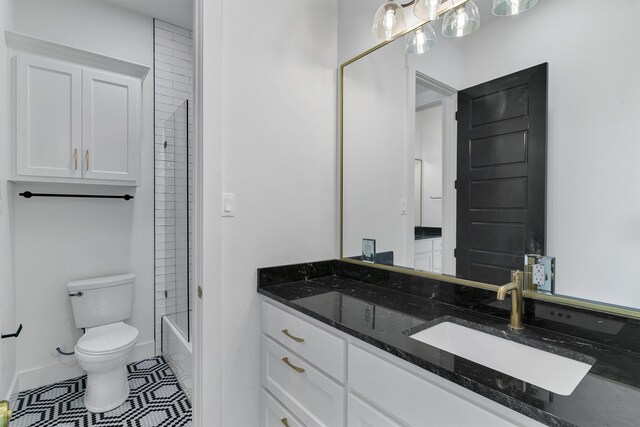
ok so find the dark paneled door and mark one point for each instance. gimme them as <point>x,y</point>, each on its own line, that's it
<point>502,138</point>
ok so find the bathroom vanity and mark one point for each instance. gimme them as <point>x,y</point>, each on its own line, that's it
<point>337,349</point>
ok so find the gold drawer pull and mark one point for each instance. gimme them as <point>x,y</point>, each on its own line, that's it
<point>285,422</point>
<point>295,368</point>
<point>296,339</point>
<point>75,157</point>
<point>86,158</point>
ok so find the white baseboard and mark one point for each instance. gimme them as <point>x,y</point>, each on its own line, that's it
<point>141,351</point>
<point>12,393</point>
<point>26,380</point>
<point>45,375</point>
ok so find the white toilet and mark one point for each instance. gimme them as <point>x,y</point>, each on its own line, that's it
<point>100,305</point>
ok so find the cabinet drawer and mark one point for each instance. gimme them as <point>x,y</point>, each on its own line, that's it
<point>360,414</point>
<point>309,394</point>
<point>324,350</point>
<point>276,415</point>
<point>396,391</point>
<point>424,245</point>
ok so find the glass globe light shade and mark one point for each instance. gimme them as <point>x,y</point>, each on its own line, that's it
<point>426,10</point>
<point>512,7</point>
<point>461,21</point>
<point>389,21</point>
<point>421,40</point>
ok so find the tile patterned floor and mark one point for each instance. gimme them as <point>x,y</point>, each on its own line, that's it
<point>156,400</point>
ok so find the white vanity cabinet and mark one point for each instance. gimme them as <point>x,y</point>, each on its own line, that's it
<point>315,375</point>
<point>428,255</point>
<point>77,115</point>
<point>361,414</point>
<point>303,367</point>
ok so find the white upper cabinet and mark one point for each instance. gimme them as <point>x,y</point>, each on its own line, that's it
<point>110,126</point>
<point>48,117</point>
<point>77,115</point>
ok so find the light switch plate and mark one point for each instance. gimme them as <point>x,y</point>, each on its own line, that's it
<point>368,250</point>
<point>403,206</point>
<point>369,315</point>
<point>228,204</point>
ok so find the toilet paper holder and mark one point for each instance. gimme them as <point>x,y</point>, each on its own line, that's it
<point>13,335</point>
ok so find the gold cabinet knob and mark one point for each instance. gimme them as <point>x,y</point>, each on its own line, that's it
<point>285,422</point>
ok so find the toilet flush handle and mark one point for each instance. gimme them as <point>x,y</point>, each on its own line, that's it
<point>75,294</point>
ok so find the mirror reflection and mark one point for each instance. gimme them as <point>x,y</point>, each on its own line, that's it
<point>539,161</point>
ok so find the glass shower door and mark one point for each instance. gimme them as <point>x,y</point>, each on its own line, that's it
<point>177,219</point>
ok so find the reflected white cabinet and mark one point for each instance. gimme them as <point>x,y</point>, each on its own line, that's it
<point>48,117</point>
<point>77,115</point>
<point>428,255</point>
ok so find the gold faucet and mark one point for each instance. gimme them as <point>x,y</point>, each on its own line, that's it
<point>515,287</point>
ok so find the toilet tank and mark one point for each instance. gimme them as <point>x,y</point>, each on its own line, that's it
<point>101,300</point>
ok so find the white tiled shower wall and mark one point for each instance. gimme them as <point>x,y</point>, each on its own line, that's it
<point>173,86</point>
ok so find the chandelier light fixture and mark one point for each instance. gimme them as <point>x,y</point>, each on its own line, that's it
<point>461,18</point>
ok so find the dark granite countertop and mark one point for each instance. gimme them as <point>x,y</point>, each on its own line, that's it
<point>337,293</point>
<point>422,233</point>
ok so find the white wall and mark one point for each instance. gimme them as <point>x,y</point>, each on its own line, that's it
<point>375,161</point>
<point>58,240</point>
<point>277,153</point>
<point>7,288</point>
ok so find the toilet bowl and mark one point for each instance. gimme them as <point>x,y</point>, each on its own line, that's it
<point>100,306</point>
<point>103,352</point>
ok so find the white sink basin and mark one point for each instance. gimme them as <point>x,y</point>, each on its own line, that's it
<point>557,374</point>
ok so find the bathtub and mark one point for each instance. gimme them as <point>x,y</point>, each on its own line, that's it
<point>176,350</point>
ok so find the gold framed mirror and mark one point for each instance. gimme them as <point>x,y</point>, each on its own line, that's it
<point>601,281</point>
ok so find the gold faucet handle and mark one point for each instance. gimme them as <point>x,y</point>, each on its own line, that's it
<point>5,413</point>
<point>516,277</point>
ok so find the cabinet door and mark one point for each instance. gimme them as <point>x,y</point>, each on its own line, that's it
<point>440,403</point>
<point>423,261</point>
<point>359,414</point>
<point>111,105</point>
<point>437,261</point>
<point>48,117</point>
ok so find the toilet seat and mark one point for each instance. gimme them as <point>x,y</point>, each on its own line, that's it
<point>107,339</point>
